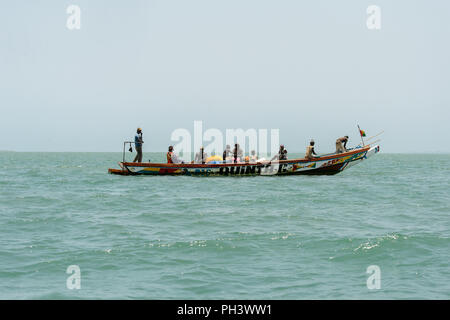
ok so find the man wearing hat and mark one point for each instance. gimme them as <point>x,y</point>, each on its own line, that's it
<point>138,145</point>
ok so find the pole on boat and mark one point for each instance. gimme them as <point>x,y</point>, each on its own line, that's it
<point>123,156</point>
<point>378,140</point>
<point>368,139</point>
<point>362,140</point>
<point>201,150</point>
<point>131,149</point>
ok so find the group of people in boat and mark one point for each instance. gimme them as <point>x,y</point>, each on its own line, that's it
<point>229,156</point>
<point>233,156</point>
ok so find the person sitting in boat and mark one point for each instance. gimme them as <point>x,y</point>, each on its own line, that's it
<point>341,144</point>
<point>310,153</point>
<point>253,157</point>
<point>226,154</point>
<point>138,145</point>
<point>237,153</point>
<point>200,157</point>
<point>281,155</point>
<point>172,157</point>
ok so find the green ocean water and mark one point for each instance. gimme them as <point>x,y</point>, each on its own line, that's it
<point>295,237</point>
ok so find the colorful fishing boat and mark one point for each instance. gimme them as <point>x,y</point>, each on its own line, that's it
<point>328,164</point>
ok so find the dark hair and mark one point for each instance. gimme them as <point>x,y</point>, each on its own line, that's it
<point>170,148</point>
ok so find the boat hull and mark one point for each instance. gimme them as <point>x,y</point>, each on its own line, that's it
<point>324,165</point>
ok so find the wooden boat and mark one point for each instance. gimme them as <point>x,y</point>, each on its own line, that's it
<point>328,164</point>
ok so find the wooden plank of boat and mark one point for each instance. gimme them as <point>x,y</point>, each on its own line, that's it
<point>118,171</point>
<point>323,165</point>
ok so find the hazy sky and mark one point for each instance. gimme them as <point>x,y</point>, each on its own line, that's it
<point>311,69</point>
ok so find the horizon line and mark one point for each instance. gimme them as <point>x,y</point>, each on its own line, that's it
<point>14,151</point>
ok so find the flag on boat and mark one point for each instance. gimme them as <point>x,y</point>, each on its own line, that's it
<point>362,133</point>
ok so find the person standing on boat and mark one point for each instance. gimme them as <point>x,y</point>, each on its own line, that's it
<point>138,145</point>
<point>201,156</point>
<point>237,153</point>
<point>281,155</point>
<point>310,153</point>
<point>226,154</point>
<point>341,144</point>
